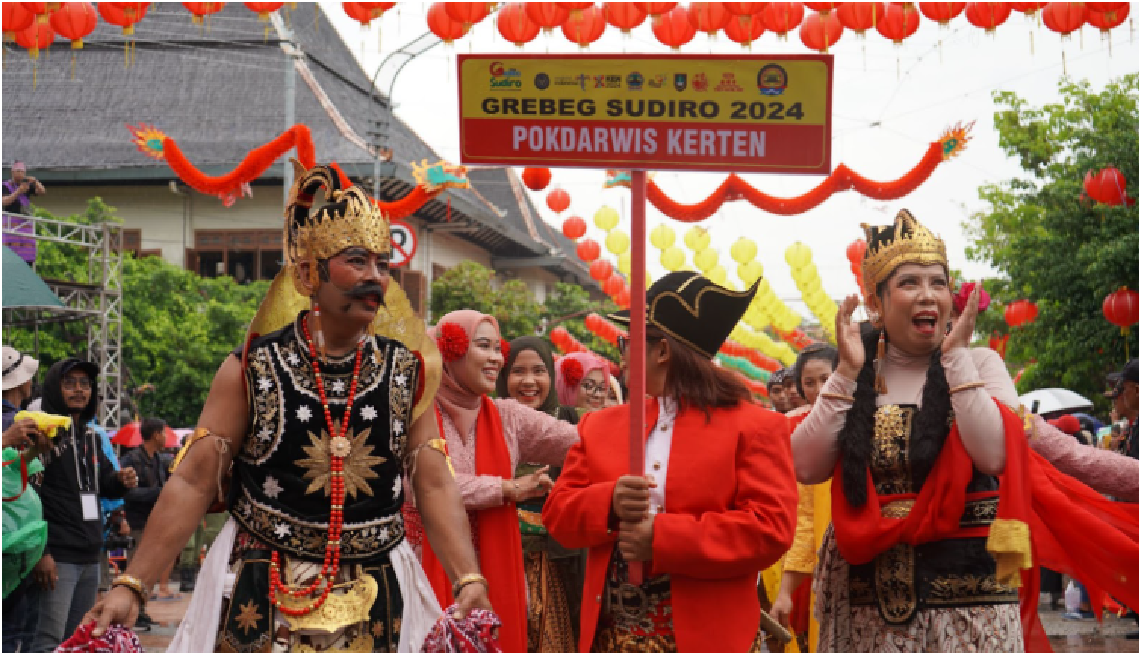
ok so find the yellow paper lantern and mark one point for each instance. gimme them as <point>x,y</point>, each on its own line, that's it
<point>617,242</point>
<point>717,275</point>
<point>750,272</point>
<point>625,263</point>
<point>705,260</point>
<point>744,250</point>
<point>697,239</point>
<point>797,255</point>
<point>662,237</point>
<point>606,218</point>
<point>672,259</point>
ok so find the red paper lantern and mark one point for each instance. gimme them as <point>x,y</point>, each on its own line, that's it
<point>782,17</point>
<point>467,13</point>
<point>593,322</point>
<point>613,285</point>
<point>73,21</point>
<point>855,252</point>
<point>655,9</point>
<point>202,9</point>
<point>1020,312</point>
<point>442,25</point>
<point>123,14</point>
<point>588,250</point>
<point>624,15</point>
<point>860,16</point>
<point>586,27</point>
<point>1064,17</point>
<point>942,12</point>
<point>987,15</point>
<point>1027,8</point>
<point>708,17</point>
<point>674,29</point>
<point>558,336</point>
<point>1121,308</point>
<point>1099,7</point>
<point>744,8</point>
<point>515,25</point>
<point>35,38</point>
<point>622,298</point>
<point>999,343</point>
<point>263,9</point>
<point>41,11</point>
<point>575,8</point>
<point>820,31</point>
<point>16,19</point>
<point>536,178</point>
<point>362,12</point>
<point>547,15</point>
<point>600,270</point>
<point>573,228</point>
<point>1108,19</point>
<point>744,29</point>
<point>1108,186</point>
<point>900,21</point>
<point>558,200</point>
<point>823,8</point>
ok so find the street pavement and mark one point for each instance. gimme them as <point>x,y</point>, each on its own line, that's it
<point>1066,636</point>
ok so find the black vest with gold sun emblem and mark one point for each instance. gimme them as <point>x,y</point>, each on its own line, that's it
<point>282,488</point>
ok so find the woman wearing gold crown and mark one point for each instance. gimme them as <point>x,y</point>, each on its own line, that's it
<point>317,416</point>
<point>940,510</point>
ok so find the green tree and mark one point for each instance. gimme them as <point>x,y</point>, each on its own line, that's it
<point>568,307</point>
<point>471,286</point>
<point>1054,246</point>
<point>177,326</point>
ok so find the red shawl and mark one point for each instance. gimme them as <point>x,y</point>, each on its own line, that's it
<point>1044,518</point>
<point>500,540</point>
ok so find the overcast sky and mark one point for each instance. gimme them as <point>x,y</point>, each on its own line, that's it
<point>889,103</point>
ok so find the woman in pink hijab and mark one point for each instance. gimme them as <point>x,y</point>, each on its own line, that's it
<point>487,438</point>
<point>583,381</point>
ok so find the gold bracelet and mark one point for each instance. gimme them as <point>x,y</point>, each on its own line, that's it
<point>134,585</point>
<point>835,395</point>
<point>468,579</point>
<point>967,386</point>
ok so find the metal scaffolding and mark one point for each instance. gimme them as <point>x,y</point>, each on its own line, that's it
<point>98,299</point>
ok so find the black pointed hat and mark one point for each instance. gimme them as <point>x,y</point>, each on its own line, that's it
<point>693,310</point>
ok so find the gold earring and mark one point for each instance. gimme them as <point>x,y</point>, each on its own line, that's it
<point>879,380</point>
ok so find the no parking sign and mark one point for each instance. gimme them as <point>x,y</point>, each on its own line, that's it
<point>403,243</point>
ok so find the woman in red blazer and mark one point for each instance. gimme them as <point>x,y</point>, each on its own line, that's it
<point>716,503</point>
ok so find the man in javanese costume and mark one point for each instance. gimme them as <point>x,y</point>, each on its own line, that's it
<point>317,421</point>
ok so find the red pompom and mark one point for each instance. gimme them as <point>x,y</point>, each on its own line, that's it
<point>505,349</point>
<point>572,372</point>
<point>452,341</point>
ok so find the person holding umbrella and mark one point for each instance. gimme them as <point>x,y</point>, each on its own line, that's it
<point>152,476</point>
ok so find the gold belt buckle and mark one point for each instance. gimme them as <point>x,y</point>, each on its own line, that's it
<point>898,509</point>
<point>627,613</point>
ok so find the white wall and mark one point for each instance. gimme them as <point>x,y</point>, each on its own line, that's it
<point>158,213</point>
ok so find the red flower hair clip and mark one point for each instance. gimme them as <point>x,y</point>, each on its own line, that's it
<point>452,341</point>
<point>572,372</point>
<point>505,348</point>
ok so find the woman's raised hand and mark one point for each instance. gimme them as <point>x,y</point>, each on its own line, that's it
<point>851,353</point>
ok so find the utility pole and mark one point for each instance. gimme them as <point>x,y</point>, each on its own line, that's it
<point>292,53</point>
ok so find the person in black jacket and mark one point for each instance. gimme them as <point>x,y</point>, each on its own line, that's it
<point>76,473</point>
<point>147,462</point>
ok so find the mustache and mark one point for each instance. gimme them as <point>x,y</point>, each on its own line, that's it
<point>363,290</point>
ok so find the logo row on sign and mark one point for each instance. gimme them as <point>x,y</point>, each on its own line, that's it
<point>771,80</point>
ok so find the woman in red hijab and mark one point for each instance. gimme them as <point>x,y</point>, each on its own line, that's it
<point>486,439</point>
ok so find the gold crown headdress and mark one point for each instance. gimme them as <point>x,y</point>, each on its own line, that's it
<point>906,241</point>
<point>348,219</point>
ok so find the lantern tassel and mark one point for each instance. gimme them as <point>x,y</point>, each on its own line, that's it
<point>73,66</point>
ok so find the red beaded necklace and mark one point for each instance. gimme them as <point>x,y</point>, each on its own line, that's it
<point>339,448</point>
